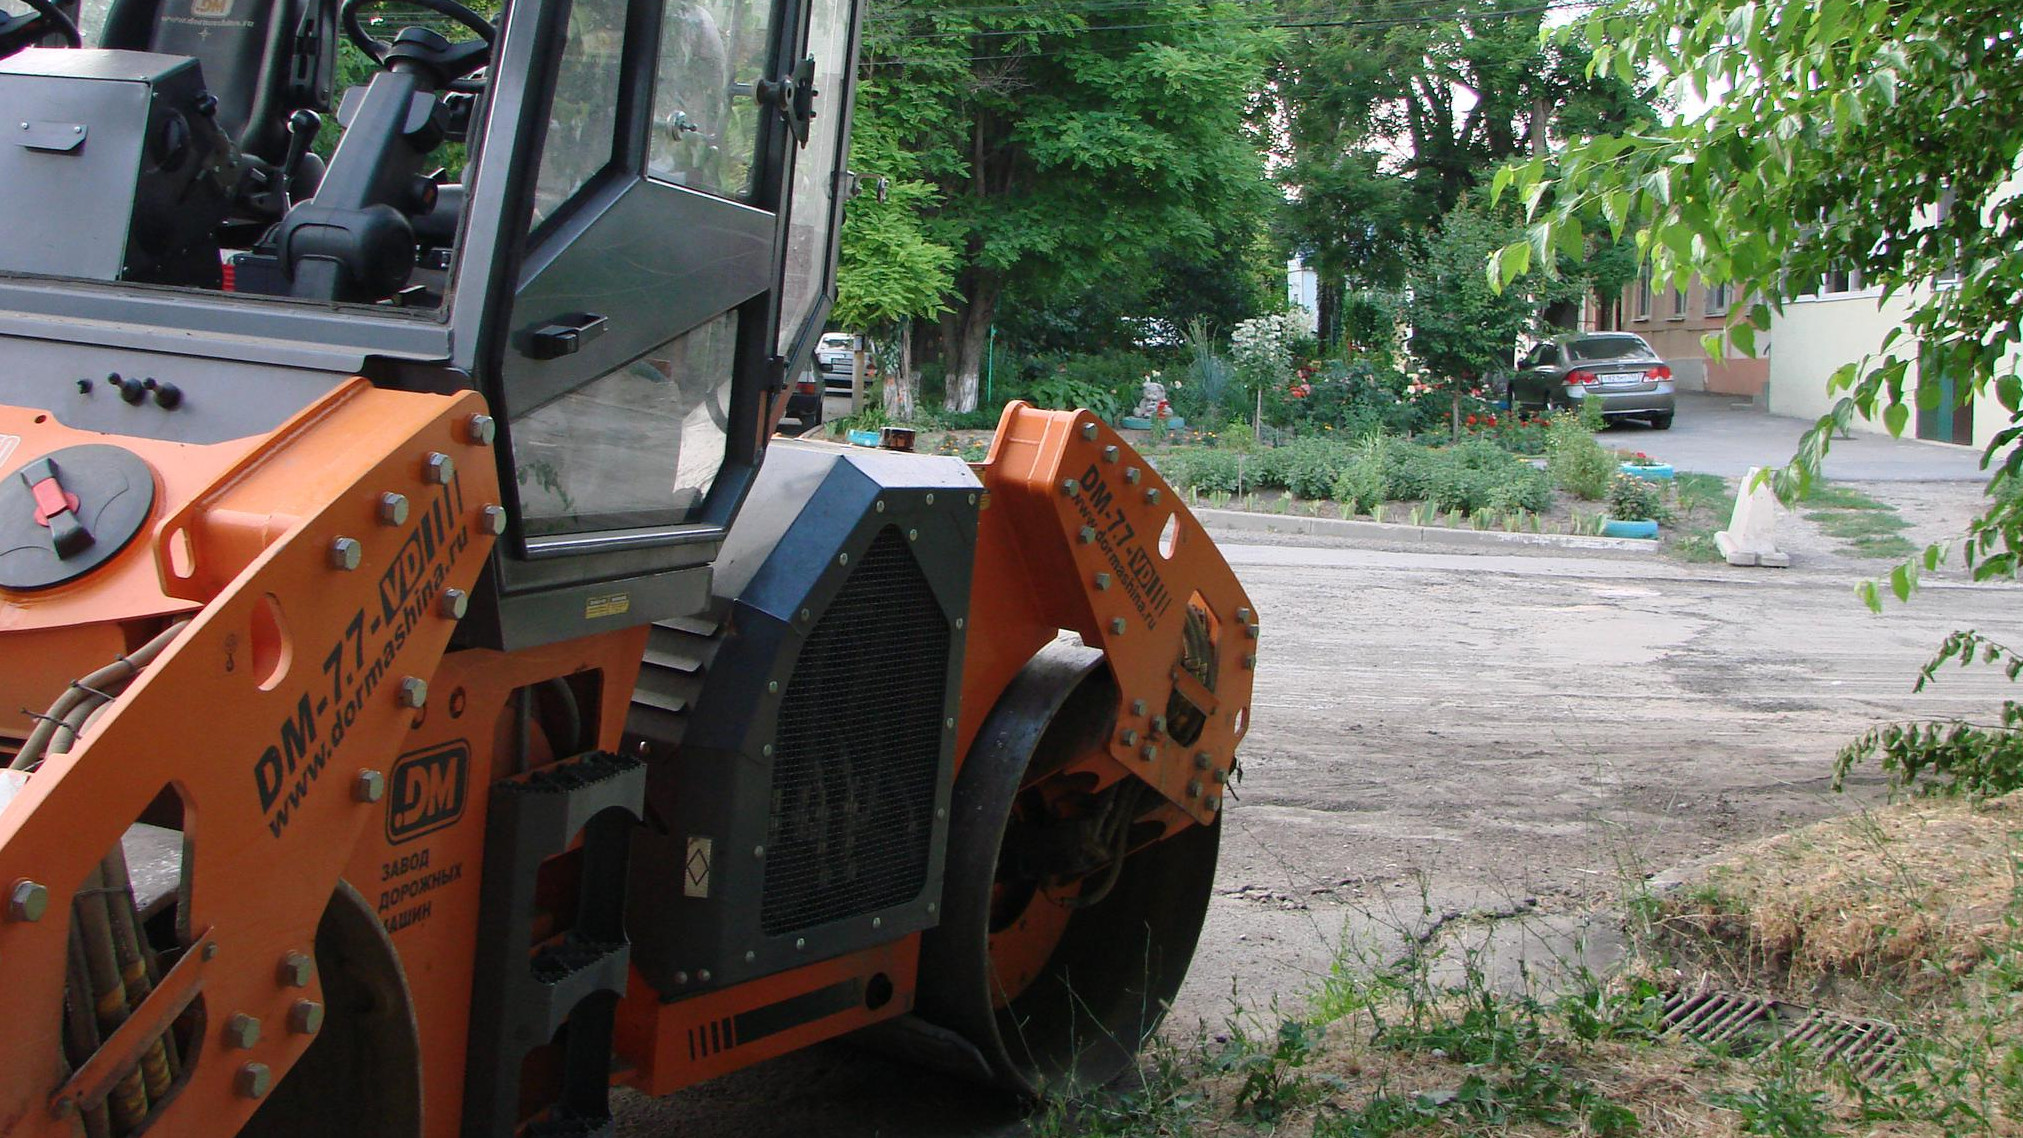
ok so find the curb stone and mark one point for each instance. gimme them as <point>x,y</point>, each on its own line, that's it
<point>1242,521</point>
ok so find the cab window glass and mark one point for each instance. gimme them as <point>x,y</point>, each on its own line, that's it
<point>639,445</point>
<point>583,119</point>
<point>705,131</point>
<point>808,235</point>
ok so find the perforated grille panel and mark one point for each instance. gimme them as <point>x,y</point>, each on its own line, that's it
<point>859,744</point>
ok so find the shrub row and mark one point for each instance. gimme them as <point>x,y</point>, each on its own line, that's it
<point>1470,476</point>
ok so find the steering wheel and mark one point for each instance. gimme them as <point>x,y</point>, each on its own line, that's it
<point>17,32</point>
<point>378,50</point>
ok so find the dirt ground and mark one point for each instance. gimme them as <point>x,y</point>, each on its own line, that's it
<point>1453,740</point>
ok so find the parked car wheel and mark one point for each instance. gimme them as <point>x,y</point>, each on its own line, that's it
<point>1661,422</point>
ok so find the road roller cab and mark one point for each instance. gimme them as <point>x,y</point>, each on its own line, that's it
<point>450,699</point>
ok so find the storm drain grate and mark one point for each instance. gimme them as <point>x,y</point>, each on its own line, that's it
<point>1747,1025</point>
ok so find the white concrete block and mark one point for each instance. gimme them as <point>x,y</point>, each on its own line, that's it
<point>1751,538</point>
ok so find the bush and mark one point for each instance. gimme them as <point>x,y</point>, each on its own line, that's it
<point>1632,499</point>
<point>1577,463</point>
<point>1524,488</point>
<point>1455,486</point>
<point>1361,486</point>
<point>1310,467</point>
<point>1201,471</point>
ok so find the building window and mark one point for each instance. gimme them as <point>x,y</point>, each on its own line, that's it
<point>1643,310</point>
<point>1842,280</point>
<point>1678,304</point>
<point>1717,299</point>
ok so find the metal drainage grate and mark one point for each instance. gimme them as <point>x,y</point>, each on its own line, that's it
<point>1747,1025</point>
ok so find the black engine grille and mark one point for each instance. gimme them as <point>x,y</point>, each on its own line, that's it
<point>858,748</point>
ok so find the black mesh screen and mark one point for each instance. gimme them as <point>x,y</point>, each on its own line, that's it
<point>858,748</point>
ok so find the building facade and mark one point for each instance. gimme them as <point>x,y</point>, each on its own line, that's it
<point>1676,321</point>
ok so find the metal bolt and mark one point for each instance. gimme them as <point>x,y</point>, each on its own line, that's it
<point>959,623</point>
<point>1070,487</point>
<point>413,691</point>
<point>766,750</point>
<point>751,957</point>
<point>881,505</point>
<point>1109,454</point>
<point>1149,752</point>
<point>1102,581</point>
<point>439,469</point>
<point>454,603</point>
<point>1158,725</point>
<point>948,723</point>
<point>1249,663</point>
<point>1250,630</point>
<point>480,430</point>
<point>1137,707</point>
<point>806,615</point>
<point>492,520</point>
<point>210,951</point>
<point>305,1017</point>
<point>913,535</point>
<point>930,499</point>
<point>392,509</point>
<point>1152,497</point>
<point>370,786</point>
<point>702,975</point>
<point>296,969</point>
<point>1089,432</point>
<point>1212,805</point>
<point>932,908</point>
<point>800,944</point>
<point>63,1107</point>
<point>972,499</point>
<point>1129,737</point>
<point>1218,777</point>
<point>1201,760</point>
<point>1131,475</point>
<point>681,978</point>
<point>941,812</point>
<point>842,559</point>
<point>773,686</point>
<point>27,901</point>
<point>254,1080</point>
<point>1087,535</point>
<point>759,852</point>
<point>1194,789</point>
<point>878,922</point>
<point>346,554</point>
<point>242,1031</point>
<point>1243,616</point>
<point>1117,626</point>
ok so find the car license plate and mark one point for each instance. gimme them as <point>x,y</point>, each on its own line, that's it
<point>1622,378</point>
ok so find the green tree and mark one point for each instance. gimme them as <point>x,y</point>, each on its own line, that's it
<point>1072,145</point>
<point>1387,119</point>
<point>1877,135</point>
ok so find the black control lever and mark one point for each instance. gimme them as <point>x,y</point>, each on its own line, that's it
<point>302,128</point>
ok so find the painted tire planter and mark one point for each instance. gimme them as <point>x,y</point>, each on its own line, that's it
<point>1139,423</point>
<point>1617,527</point>
<point>1660,473</point>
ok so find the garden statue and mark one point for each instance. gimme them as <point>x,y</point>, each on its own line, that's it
<point>1152,400</point>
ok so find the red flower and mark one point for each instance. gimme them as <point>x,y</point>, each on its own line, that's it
<point>1471,420</point>
<point>1492,420</point>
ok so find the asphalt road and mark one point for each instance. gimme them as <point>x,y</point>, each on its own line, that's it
<point>1506,745</point>
<point>1721,434</point>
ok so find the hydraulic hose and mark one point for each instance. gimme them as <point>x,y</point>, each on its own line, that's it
<point>57,729</point>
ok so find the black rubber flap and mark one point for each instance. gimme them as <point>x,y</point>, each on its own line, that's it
<point>67,513</point>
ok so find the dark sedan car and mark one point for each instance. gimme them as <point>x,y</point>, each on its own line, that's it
<point>1618,369</point>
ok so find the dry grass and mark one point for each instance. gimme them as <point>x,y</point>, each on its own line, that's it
<point>1910,897</point>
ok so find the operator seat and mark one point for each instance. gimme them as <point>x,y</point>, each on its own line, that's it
<point>262,59</point>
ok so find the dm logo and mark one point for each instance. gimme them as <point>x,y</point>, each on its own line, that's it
<point>428,791</point>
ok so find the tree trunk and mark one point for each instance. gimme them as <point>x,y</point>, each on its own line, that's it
<point>902,387</point>
<point>965,353</point>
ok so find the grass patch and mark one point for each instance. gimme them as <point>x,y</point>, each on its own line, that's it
<point>1702,507</point>
<point>1856,525</point>
<point>1830,496</point>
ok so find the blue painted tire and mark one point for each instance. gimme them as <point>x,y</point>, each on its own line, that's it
<point>1660,473</point>
<point>1616,527</point>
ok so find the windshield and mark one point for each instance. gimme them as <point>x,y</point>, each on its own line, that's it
<point>1593,348</point>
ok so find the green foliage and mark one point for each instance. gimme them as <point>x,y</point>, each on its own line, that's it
<point>1577,463</point>
<point>1349,94</point>
<point>1076,153</point>
<point>1955,758</point>
<point>1462,328</point>
<point>1847,136</point>
<point>1634,499</point>
<point>1273,1083</point>
<point>1788,1103</point>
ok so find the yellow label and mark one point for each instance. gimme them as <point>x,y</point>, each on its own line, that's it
<point>610,604</point>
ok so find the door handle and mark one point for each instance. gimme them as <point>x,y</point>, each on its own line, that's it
<point>564,336</point>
